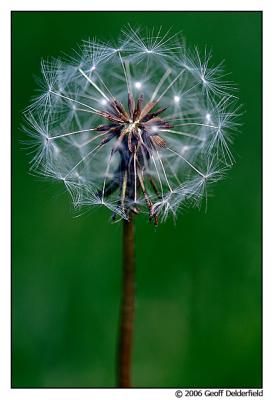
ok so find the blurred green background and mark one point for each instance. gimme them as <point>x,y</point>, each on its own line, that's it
<point>198,306</point>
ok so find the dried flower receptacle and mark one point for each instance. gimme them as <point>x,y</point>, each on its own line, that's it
<point>135,141</point>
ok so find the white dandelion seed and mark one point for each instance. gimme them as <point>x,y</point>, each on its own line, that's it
<point>142,126</point>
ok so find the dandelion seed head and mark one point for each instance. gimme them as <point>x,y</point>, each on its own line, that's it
<point>140,125</point>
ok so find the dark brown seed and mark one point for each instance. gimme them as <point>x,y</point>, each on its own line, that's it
<point>154,114</point>
<point>138,109</point>
<point>148,107</point>
<point>131,105</point>
<point>158,141</point>
<point>110,117</point>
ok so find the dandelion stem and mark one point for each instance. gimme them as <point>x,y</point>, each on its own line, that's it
<point>127,306</point>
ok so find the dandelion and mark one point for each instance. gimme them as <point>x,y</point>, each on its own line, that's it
<point>140,126</point>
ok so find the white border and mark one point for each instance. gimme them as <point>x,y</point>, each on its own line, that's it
<point>203,5</point>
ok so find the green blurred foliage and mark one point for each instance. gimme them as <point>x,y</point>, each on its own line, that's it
<point>198,306</point>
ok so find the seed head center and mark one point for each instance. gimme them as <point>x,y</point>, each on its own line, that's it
<point>132,126</point>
